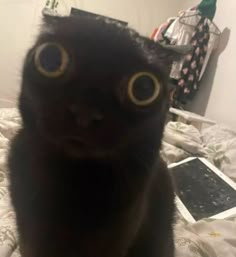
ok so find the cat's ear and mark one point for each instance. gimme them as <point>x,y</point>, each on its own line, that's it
<point>49,19</point>
<point>50,22</point>
<point>164,55</point>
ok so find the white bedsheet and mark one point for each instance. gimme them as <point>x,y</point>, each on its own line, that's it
<point>206,238</point>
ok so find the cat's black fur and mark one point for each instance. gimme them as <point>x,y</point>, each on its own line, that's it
<point>109,195</point>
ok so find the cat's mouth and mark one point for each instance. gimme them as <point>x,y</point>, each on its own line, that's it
<point>81,147</point>
<point>85,145</point>
<point>78,142</point>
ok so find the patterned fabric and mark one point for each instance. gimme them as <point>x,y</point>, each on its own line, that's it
<point>188,83</point>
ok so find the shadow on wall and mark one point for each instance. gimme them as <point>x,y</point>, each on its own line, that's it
<point>199,103</point>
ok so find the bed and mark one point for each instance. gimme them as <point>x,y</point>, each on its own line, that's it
<point>206,238</point>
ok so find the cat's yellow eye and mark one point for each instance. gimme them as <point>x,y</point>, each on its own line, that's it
<point>143,88</point>
<point>51,59</point>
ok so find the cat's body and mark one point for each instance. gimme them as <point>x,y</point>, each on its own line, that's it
<point>86,177</point>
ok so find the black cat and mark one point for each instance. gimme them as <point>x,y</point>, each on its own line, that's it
<point>86,176</point>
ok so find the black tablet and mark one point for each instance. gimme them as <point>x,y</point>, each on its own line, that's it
<point>202,190</point>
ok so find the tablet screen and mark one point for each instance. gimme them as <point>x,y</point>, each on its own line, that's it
<point>201,190</point>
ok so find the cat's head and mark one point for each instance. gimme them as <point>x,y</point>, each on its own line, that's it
<point>94,88</point>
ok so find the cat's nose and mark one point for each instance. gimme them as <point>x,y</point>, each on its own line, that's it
<point>86,117</point>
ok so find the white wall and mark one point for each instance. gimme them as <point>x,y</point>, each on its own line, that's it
<point>17,25</point>
<point>13,38</point>
<point>217,96</point>
<point>222,101</point>
<point>186,4</point>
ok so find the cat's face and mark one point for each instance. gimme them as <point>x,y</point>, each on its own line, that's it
<point>93,88</point>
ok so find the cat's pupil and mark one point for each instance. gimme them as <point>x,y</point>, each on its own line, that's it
<point>51,58</point>
<point>143,88</point>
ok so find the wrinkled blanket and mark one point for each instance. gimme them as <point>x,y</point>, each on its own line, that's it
<point>9,123</point>
<point>216,143</point>
<point>206,238</point>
